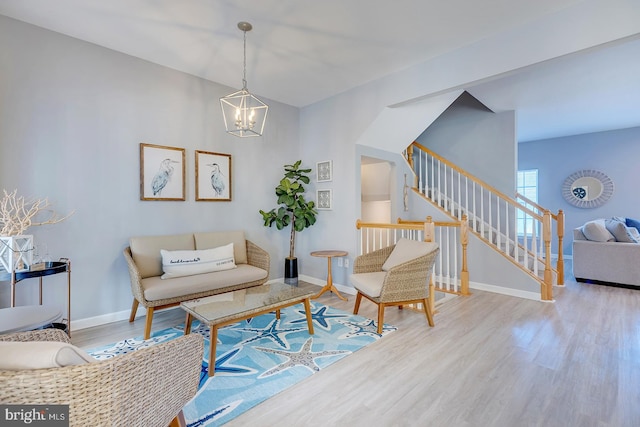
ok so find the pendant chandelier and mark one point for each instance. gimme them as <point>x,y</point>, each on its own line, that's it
<point>244,114</point>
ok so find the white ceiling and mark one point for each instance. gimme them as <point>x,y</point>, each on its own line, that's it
<point>303,51</point>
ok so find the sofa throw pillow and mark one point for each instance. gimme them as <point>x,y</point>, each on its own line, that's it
<point>630,222</point>
<point>406,250</point>
<point>620,231</point>
<point>40,355</point>
<point>188,263</point>
<point>597,231</point>
<point>634,233</point>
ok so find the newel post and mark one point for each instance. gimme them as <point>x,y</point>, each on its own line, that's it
<point>410,155</point>
<point>547,287</point>
<point>464,241</point>
<point>560,262</point>
<point>429,230</point>
<point>429,236</point>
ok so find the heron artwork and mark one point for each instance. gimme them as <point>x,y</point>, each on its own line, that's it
<point>162,177</point>
<point>217,180</point>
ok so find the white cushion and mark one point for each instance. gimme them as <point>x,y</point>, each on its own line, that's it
<point>634,233</point>
<point>406,250</point>
<point>40,355</point>
<point>188,263</point>
<point>597,231</point>
<point>369,283</point>
<point>620,231</point>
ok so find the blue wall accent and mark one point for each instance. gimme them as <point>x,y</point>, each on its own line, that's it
<point>615,153</point>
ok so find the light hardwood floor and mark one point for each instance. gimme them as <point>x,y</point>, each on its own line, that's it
<point>491,360</point>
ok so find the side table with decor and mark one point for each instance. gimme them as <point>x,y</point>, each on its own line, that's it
<point>36,315</point>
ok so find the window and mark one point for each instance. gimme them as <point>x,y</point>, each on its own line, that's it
<point>527,186</point>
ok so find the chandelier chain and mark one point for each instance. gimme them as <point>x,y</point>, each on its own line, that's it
<point>244,63</point>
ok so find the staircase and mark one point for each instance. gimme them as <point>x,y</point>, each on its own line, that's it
<point>493,216</point>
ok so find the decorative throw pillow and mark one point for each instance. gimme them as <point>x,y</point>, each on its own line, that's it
<point>188,263</point>
<point>619,229</point>
<point>40,355</point>
<point>406,250</point>
<point>629,222</point>
<point>597,231</point>
<point>634,233</point>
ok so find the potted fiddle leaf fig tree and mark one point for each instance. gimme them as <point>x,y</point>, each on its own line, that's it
<point>294,211</point>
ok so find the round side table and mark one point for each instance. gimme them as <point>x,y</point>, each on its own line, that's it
<point>329,286</point>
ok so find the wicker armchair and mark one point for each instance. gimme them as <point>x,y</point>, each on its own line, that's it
<point>405,283</point>
<point>148,387</point>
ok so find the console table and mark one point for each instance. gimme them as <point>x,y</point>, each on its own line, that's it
<point>56,267</point>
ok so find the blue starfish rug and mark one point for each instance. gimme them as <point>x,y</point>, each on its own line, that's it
<point>260,357</point>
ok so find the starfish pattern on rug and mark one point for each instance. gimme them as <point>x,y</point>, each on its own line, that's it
<point>368,328</point>
<point>215,414</point>
<point>320,317</point>
<point>225,367</point>
<point>247,375</point>
<point>129,345</point>
<point>304,357</point>
<point>271,332</point>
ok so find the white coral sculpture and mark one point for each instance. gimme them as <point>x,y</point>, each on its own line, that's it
<point>17,213</point>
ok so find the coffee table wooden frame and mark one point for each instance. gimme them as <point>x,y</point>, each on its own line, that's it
<point>213,325</point>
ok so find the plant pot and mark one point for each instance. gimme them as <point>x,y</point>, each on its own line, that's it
<point>291,271</point>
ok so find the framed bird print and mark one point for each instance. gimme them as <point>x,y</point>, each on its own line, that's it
<point>162,172</point>
<point>213,177</point>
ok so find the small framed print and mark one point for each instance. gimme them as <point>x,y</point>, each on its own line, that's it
<point>213,177</point>
<point>162,172</point>
<point>324,171</point>
<point>324,200</point>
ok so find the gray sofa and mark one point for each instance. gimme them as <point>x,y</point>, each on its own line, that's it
<point>150,290</point>
<point>609,261</point>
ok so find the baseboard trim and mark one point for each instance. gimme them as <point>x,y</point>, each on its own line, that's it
<point>320,282</point>
<point>103,319</point>
<point>505,291</point>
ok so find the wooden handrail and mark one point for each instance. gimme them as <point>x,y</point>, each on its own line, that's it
<point>537,213</point>
<point>412,226</point>
<point>436,223</point>
<point>489,187</point>
<point>534,204</point>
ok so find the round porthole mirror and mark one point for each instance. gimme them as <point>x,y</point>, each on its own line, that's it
<point>587,189</point>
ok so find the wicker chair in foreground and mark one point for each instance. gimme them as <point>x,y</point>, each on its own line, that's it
<point>148,387</point>
<point>395,275</point>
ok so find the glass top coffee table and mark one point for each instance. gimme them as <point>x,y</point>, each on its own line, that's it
<point>230,307</point>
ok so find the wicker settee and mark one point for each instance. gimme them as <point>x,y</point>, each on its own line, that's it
<point>148,387</point>
<point>150,290</point>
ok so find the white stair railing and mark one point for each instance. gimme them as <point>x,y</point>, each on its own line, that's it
<point>520,234</point>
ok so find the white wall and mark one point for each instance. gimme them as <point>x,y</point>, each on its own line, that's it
<point>479,141</point>
<point>72,116</point>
